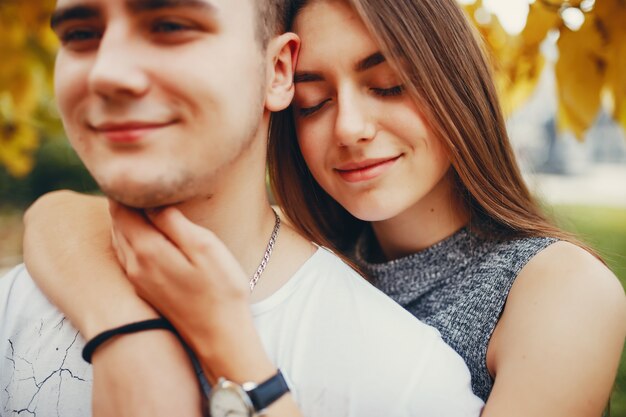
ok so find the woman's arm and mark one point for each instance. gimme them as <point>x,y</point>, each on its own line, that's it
<point>556,348</point>
<point>67,249</point>
<point>187,273</point>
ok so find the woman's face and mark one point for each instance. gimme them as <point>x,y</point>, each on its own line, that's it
<point>360,133</point>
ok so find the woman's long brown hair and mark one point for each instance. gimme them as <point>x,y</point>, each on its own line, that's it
<point>439,57</point>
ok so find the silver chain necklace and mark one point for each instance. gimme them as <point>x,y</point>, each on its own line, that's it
<point>267,254</point>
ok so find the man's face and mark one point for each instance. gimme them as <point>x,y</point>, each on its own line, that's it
<point>159,97</point>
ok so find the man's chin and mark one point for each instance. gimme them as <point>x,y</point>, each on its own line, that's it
<point>143,197</point>
<point>142,188</point>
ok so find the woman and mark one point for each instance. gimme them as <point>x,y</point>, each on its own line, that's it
<point>411,176</point>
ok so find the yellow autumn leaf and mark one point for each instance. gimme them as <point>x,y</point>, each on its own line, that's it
<point>521,80</point>
<point>14,35</point>
<point>580,72</point>
<point>27,49</point>
<point>611,15</point>
<point>47,39</point>
<point>511,79</point>
<point>25,95</point>
<point>609,12</point>
<point>592,60</point>
<point>471,8</point>
<point>541,19</point>
<point>17,142</point>
<point>20,166</point>
<point>616,82</point>
<point>35,14</point>
<point>521,60</point>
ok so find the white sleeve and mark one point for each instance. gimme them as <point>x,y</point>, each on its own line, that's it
<point>6,282</point>
<point>41,369</point>
<point>447,381</point>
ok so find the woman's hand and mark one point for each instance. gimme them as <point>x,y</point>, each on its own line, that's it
<point>189,275</point>
<point>167,258</point>
<point>68,252</point>
<point>67,249</point>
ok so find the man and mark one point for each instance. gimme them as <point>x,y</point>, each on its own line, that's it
<point>168,103</point>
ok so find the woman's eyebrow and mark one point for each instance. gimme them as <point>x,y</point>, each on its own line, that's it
<point>307,77</point>
<point>363,65</point>
<point>369,62</point>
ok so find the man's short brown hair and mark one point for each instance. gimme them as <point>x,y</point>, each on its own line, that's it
<point>272,16</point>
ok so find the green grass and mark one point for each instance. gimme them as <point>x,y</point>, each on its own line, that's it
<point>605,230</point>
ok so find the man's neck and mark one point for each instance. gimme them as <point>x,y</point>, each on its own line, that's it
<point>239,213</point>
<point>245,228</point>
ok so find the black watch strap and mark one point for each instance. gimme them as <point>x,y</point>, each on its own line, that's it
<point>263,395</point>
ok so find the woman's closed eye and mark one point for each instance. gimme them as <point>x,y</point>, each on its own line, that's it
<point>309,111</point>
<point>394,91</point>
<point>388,92</point>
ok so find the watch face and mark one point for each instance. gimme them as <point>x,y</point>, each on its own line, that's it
<point>229,400</point>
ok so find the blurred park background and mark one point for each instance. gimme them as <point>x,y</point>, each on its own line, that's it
<point>560,66</point>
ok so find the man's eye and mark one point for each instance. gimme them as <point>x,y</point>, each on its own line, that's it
<point>79,36</point>
<point>389,92</point>
<point>309,111</point>
<point>169,27</point>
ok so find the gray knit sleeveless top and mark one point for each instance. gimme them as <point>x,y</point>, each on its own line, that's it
<point>458,286</point>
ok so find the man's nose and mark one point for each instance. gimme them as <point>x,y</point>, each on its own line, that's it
<point>119,69</point>
<point>355,122</point>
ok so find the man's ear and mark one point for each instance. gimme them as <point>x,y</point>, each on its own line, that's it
<point>282,52</point>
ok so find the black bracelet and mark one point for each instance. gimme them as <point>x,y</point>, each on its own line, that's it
<point>139,326</point>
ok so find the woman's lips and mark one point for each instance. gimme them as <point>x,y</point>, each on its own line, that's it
<point>365,170</point>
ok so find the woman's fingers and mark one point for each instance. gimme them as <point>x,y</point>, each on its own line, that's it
<point>130,222</point>
<point>195,242</point>
<point>119,247</point>
<point>173,224</point>
<point>165,247</point>
<point>182,269</point>
<point>209,256</point>
<point>146,252</point>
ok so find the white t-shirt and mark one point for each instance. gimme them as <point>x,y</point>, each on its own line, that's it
<point>344,347</point>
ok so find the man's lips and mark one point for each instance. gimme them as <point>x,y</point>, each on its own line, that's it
<point>128,132</point>
<point>366,169</point>
<point>126,126</point>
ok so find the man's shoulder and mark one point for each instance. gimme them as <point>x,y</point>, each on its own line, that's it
<point>341,325</point>
<point>13,272</point>
<point>330,293</point>
<point>328,275</point>
<point>18,291</point>
<point>26,312</point>
<point>40,353</point>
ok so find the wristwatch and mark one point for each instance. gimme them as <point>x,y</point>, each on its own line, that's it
<point>228,399</point>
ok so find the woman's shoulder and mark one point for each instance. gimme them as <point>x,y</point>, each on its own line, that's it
<point>511,251</point>
<point>565,268</point>
<point>564,319</point>
<point>497,263</point>
<point>566,281</point>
